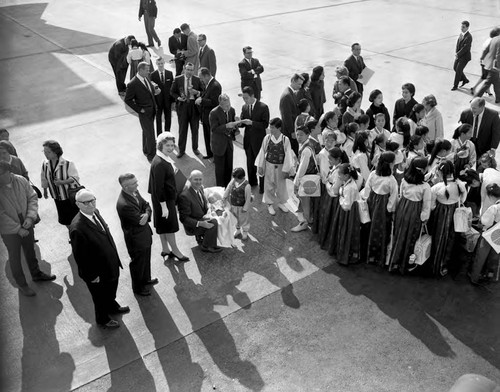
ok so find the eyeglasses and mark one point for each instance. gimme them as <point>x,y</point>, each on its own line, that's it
<point>87,202</point>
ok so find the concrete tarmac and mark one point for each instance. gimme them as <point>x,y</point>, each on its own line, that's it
<point>272,314</point>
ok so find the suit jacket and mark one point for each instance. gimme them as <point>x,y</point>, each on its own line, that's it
<point>174,45</point>
<point>488,134</point>
<point>463,47</point>
<point>94,250</point>
<point>493,49</point>
<point>117,54</point>
<point>355,68</point>
<point>255,133</point>
<point>210,99</point>
<point>148,7</point>
<point>247,78</point>
<point>164,97</point>
<point>177,88</point>
<point>129,210</point>
<point>207,59</point>
<point>289,111</point>
<point>191,209</point>
<point>139,97</point>
<point>221,138</point>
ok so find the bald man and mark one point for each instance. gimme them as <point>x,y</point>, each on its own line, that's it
<point>98,262</point>
<point>193,205</point>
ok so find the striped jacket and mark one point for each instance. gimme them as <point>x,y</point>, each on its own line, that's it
<point>64,170</point>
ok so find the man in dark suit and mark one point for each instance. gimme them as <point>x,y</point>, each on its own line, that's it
<point>289,110</point>
<point>177,43</point>
<point>462,55</point>
<point>355,64</point>
<point>208,100</point>
<point>193,205</point>
<point>255,119</point>
<point>140,96</point>
<point>222,128</point>
<point>163,78</point>
<point>207,55</point>
<point>185,89</point>
<point>250,70</point>
<point>485,126</point>
<point>98,262</point>
<point>135,213</point>
<point>117,57</point>
<point>148,9</point>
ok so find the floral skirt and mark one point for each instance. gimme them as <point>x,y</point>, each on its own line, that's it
<point>380,228</point>
<point>443,238</point>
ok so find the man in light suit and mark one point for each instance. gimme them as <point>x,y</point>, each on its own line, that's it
<point>222,127</point>
<point>148,9</point>
<point>135,213</point>
<point>491,57</point>
<point>250,70</point>
<point>355,64</point>
<point>117,57</point>
<point>177,44</point>
<point>485,126</point>
<point>289,110</point>
<point>140,96</point>
<point>98,262</point>
<point>193,49</point>
<point>255,119</point>
<point>208,100</point>
<point>207,55</point>
<point>462,55</point>
<point>193,205</point>
<point>185,90</point>
<point>163,78</point>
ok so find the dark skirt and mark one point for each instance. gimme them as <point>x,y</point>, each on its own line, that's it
<point>165,225</point>
<point>443,238</point>
<point>380,228</point>
<point>66,211</point>
<point>460,164</point>
<point>348,240</point>
<point>316,203</point>
<point>327,215</point>
<point>407,225</point>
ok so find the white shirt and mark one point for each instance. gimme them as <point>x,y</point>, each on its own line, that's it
<point>420,192</point>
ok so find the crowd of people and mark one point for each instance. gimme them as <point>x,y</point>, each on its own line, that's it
<point>370,189</point>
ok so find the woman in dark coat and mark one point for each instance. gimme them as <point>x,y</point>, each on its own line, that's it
<point>376,98</point>
<point>163,190</point>
<point>317,90</point>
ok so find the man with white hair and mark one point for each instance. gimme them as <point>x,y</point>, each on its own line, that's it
<point>98,262</point>
<point>18,214</point>
<point>223,123</point>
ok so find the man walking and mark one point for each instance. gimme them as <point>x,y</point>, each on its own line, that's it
<point>462,55</point>
<point>98,262</point>
<point>148,9</point>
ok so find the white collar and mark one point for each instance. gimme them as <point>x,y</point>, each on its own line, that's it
<point>276,140</point>
<point>165,157</point>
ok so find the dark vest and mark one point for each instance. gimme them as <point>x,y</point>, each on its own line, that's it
<point>275,153</point>
<point>238,195</point>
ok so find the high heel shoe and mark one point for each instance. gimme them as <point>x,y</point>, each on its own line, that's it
<point>182,259</point>
<point>166,255</point>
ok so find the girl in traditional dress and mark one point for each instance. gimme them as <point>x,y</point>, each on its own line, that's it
<point>378,147</point>
<point>417,114</point>
<point>379,128</point>
<point>134,56</point>
<point>446,196</point>
<point>360,158</point>
<point>414,149</point>
<point>275,161</point>
<point>381,190</point>
<point>440,152</point>
<point>349,131</point>
<point>304,117</point>
<point>347,230</point>
<point>413,210</point>
<point>464,149</point>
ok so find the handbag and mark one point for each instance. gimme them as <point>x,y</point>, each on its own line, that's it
<point>37,190</point>
<point>471,238</point>
<point>462,218</point>
<point>310,184</point>
<point>364,212</point>
<point>73,191</point>
<point>422,250</point>
<point>492,236</point>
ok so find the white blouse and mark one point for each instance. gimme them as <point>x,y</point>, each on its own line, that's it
<point>360,161</point>
<point>324,164</point>
<point>465,150</point>
<point>418,192</point>
<point>348,194</point>
<point>382,186</point>
<point>438,192</point>
<point>491,215</point>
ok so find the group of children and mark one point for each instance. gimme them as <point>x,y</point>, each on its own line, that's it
<point>380,190</point>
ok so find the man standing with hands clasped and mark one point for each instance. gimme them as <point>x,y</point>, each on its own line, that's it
<point>250,70</point>
<point>135,213</point>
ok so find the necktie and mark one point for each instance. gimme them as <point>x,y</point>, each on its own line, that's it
<point>227,117</point>
<point>201,199</point>
<point>178,39</point>
<point>250,111</point>
<point>201,52</point>
<point>474,132</point>
<point>97,223</point>
<point>162,78</point>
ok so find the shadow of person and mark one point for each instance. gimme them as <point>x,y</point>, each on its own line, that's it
<point>181,373</point>
<point>44,367</point>
<point>395,296</point>
<point>217,339</point>
<point>121,350</point>
<point>78,294</point>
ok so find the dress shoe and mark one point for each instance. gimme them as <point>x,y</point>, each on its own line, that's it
<point>196,152</point>
<point>166,255</point>
<point>208,156</point>
<point>210,249</point>
<point>153,281</point>
<point>27,291</point>
<point>121,310</point>
<point>300,227</point>
<point>454,88</point>
<point>181,154</point>
<point>464,82</point>
<point>143,292</point>
<point>283,208</point>
<point>237,234</point>
<point>43,277</point>
<point>182,259</point>
<point>271,210</point>
<point>111,324</point>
